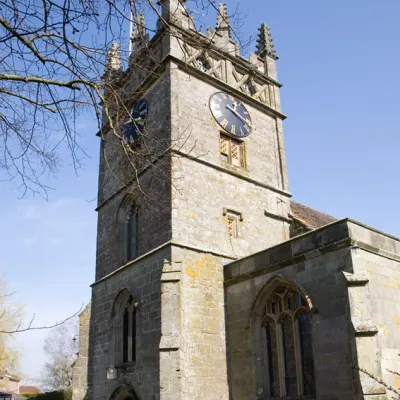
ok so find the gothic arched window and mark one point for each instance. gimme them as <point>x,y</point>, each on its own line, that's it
<point>124,321</point>
<point>129,332</point>
<point>128,230</point>
<point>289,355</point>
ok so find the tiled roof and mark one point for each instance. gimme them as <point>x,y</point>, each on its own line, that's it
<point>309,217</point>
<point>28,389</point>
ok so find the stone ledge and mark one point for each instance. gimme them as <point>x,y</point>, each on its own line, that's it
<point>364,328</point>
<point>278,217</point>
<point>301,248</point>
<point>355,280</point>
<point>170,277</point>
<point>376,250</point>
<point>230,172</point>
<point>161,247</point>
<point>169,343</point>
<point>312,244</point>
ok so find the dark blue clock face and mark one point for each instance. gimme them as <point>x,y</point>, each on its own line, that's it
<point>135,122</point>
<point>230,114</point>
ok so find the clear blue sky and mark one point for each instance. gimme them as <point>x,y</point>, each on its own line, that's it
<point>339,63</point>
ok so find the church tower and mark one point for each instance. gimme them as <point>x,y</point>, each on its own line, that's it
<point>192,176</point>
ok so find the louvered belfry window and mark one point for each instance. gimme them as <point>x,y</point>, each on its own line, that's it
<point>232,151</point>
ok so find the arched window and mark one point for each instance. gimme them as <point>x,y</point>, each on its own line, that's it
<point>124,392</point>
<point>124,319</point>
<point>289,356</point>
<point>129,332</point>
<point>128,229</point>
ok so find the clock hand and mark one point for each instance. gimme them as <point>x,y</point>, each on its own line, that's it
<point>238,115</point>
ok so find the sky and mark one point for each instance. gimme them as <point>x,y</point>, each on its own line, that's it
<point>339,64</point>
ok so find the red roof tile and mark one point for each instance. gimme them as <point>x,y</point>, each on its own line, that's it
<point>309,217</point>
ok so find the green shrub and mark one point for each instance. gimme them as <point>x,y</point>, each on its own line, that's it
<point>56,395</point>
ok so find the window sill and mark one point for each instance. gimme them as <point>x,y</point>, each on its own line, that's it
<point>126,365</point>
<point>240,170</point>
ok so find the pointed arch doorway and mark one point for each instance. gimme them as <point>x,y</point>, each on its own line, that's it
<point>124,393</point>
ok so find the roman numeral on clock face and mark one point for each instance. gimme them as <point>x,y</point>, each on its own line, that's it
<point>224,123</point>
<point>230,114</point>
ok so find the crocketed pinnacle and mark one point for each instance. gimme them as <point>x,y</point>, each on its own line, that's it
<point>265,46</point>
<point>114,57</point>
<point>223,25</point>
<point>139,29</point>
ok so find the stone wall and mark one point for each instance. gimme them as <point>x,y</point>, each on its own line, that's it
<point>80,366</point>
<point>204,188</point>
<point>203,325</point>
<point>187,284</point>
<point>115,156</point>
<point>319,275</point>
<point>375,299</point>
<point>204,185</point>
<point>154,223</point>
<point>350,275</point>
<point>196,133</point>
<point>150,187</point>
<point>142,278</point>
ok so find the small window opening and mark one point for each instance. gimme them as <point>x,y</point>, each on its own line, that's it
<point>232,151</point>
<point>232,226</point>
<point>233,219</point>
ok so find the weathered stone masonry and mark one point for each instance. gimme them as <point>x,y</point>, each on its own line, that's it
<point>197,291</point>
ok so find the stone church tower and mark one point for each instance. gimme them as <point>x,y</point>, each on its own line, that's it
<point>165,230</point>
<point>210,282</point>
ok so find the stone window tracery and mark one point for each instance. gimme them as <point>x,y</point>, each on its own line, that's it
<point>289,356</point>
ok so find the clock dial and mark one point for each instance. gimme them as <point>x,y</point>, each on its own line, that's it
<point>230,114</point>
<point>135,122</point>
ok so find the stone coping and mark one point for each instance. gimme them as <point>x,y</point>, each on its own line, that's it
<point>331,237</point>
<point>166,245</point>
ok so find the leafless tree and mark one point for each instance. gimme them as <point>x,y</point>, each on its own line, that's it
<point>61,349</point>
<point>12,323</point>
<point>53,55</point>
<point>10,315</point>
